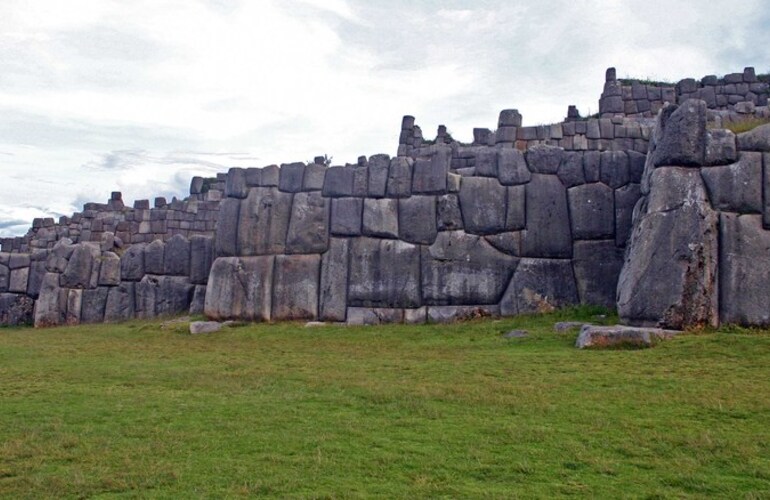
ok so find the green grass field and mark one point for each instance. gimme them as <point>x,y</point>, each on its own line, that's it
<point>135,410</point>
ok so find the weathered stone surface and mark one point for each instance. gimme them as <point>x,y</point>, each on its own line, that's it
<point>333,290</point>
<point>291,177</point>
<point>548,226</point>
<point>757,139</point>
<point>486,162</point>
<point>430,176</point>
<point>153,257</point>
<point>5,274</point>
<point>636,162</point>
<point>508,242</point>
<point>482,203</point>
<point>417,219</point>
<point>400,177</point>
<point>264,222</point>
<point>295,287</point>
<point>736,187</point>
<point>36,273</point>
<point>93,305</point>
<point>176,256</point>
<point>74,305</point>
<point>680,135</point>
<point>597,266</point>
<point>544,159</point>
<point>313,179</point>
<point>253,177</point>
<point>511,167</point>
<point>163,296</point>
<point>380,218</point>
<point>451,314</point>
<point>201,257</point>
<point>240,288</point>
<point>614,169</point>
<point>199,327</point>
<point>19,260</point>
<point>79,268</point>
<point>720,147</point>
<point>338,182</point>
<point>378,175</point>
<point>51,305</point>
<point>592,336</point>
<point>539,285</point>
<point>346,216</point>
<point>360,180</point>
<point>515,214</point>
<point>516,334</point>
<point>109,271</point>
<point>309,224</point>
<point>570,170</point>
<point>16,309</point>
<point>744,275</point>
<point>235,186</point>
<point>416,316</point>
<point>384,273</point>
<point>270,176</point>
<point>18,280</point>
<point>120,303</point>
<point>592,210</point>
<point>359,316</point>
<point>226,242</point>
<point>669,277</point>
<point>448,214</point>
<point>625,201</point>
<point>460,268</point>
<point>592,166</point>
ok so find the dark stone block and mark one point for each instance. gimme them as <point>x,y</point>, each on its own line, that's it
<point>378,175</point>
<point>736,187</point>
<point>346,214</point>
<point>153,257</point>
<point>176,256</point>
<point>264,222</point>
<point>597,266</point>
<point>539,285</point>
<point>226,242</point>
<point>548,226</point>
<point>333,293</point>
<point>481,203</point>
<point>592,210</point>
<point>201,258</point>
<point>338,182</point>
<point>384,273</point>
<point>614,169</point>
<point>511,167</point>
<point>430,176</point>
<point>625,201</point>
<point>417,219</point>
<point>290,177</point>
<point>400,178</point>
<point>295,287</point>
<point>543,159</point>
<point>309,224</point>
<point>132,263</point>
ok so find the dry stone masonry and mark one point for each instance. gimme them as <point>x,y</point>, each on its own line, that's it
<point>649,206</point>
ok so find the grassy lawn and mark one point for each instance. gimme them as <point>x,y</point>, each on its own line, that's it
<point>135,410</point>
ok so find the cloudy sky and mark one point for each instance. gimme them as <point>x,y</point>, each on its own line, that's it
<point>102,95</point>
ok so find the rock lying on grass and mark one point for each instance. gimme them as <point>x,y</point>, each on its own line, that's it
<point>621,336</point>
<point>197,327</point>
<point>516,334</point>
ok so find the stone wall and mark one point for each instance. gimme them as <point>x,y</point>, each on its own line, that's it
<point>699,254</point>
<point>740,92</point>
<point>523,219</point>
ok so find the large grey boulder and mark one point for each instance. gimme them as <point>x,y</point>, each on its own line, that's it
<point>592,336</point>
<point>16,309</point>
<point>483,202</point>
<point>486,162</point>
<point>94,304</point>
<point>448,214</point>
<point>592,210</point>
<point>51,305</point>
<point>570,170</point>
<point>417,219</point>
<point>309,224</point>
<point>333,290</point>
<point>597,266</point>
<point>736,187</point>
<point>153,257</point>
<point>120,303</point>
<point>313,179</point>
<point>37,271</point>
<point>264,222</point>
<point>757,139</point>
<point>744,275</point>
<point>669,276</point>
<point>80,267</point>
<point>226,242</point>
<point>19,280</point>
<point>74,305</point>
<point>132,263</point>
<point>338,181</point>
<point>460,268</point>
<point>544,159</point>
<point>346,216</point>
<point>614,168</point>
<point>295,287</point>
<point>240,288</point>
<point>384,273</point>
<point>378,175</point>
<point>680,135</point>
<point>400,177</point>
<point>721,148</point>
<point>539,285</point>
<point>235,184</point>
<point>109,271</point>
<point>158,296</point>
<point>512,167</point>
<point>430,176</point>
<point>176,256</point>
<point>548,225</point>
<point>201,257</point>
<point>199,327</point>
<point>625,201</point>
<point>380,217</point>
<point>291,177</point>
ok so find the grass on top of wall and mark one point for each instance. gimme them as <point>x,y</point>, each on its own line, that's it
<point>137,410</point>
<point>646,81</point>
<point>745,124</point>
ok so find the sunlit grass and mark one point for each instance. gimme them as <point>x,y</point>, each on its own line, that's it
<point>134,410</point>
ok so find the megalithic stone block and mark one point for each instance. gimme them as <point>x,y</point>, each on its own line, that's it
<point>333,293</point>
<point>483,203</point>
<point>417,219</point>
<point>309,224</point>
<point>597,266</point>
<point>378,175</point>
<point>736,187</point>
<point>132,263</point>
<point>384,273</point>
<point>380,218</point>
<point>539,285</point>
<point>291,176</point>
<point>263,222</point>
<point>176,256</point>
<point>400,177</point>
<point>592,210</point>
<point>295,287</point>
<point>51,305</point>
<point>240,288</point>
<point>153,257</point>
<point>512,167</point>
<point>226,242</point>
<point>548,227</point>
<point>346,216</point>
<point>201,257</point>
<point>94,303</point>
<point>430,176</point>
<point>120,303</point>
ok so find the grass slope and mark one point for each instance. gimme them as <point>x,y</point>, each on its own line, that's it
<point>134,410</point>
